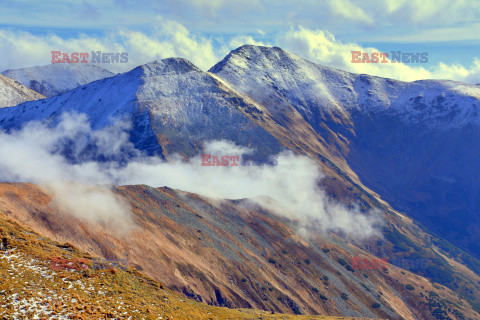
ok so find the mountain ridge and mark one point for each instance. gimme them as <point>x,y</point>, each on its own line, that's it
<point>12,92</point>
<point>175,107</point>
<point>57,78</point>
<point>402,139</point>
<point>333,88</point>
<point>232,254</point>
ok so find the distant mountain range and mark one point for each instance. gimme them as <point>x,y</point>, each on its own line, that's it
<point>57,78</point>
<point>409,149</point>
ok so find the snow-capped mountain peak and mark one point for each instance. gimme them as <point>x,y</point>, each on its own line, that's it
<point>168,66</point>
<point>168,101</point>
<point>270,74</point>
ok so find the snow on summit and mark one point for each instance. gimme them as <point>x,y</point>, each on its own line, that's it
<point>169,97</point>
<point>276,78</point>
<point>57,78</point>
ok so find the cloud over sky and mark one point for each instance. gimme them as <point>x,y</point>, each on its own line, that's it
<point>168,38</point>
<point>322,47</point>
<point>204,31</point>
<point>340,17</point>
<point>351,12</point>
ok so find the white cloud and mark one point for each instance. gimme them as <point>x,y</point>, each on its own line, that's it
<point>432,12</point>
<point>407,13</point>
<point>350,12</point>
<point>209,7</point>
<point>215,8</point>
<point>80,183</point>
<point>322,47</point>
<point>78,188</point>
<point>168,39</point>
<point>219,16</point>
<point>458,72</point>
<point>22,49</point>
<point>261,32</point>
<point>437,34</point>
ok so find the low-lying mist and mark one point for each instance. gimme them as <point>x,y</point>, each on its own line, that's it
<point>78,166</point>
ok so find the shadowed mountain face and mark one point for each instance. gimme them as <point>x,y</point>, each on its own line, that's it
<point>236,254</point>
<point>415,144</point>
<point>430,173</point>
<point>57,78</point>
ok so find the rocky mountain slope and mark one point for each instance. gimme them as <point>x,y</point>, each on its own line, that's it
<point>234,254</point>
<point>375,139</point>
<point>13,93</point>
<point>44,279</point>
<point>57,78</point>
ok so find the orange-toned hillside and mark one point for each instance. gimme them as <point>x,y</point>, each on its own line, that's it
<point>235,254</point>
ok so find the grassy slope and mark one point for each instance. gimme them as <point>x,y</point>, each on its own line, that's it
<point>31,289</point>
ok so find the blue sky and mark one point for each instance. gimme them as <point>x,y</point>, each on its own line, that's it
<point>203,31</point>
